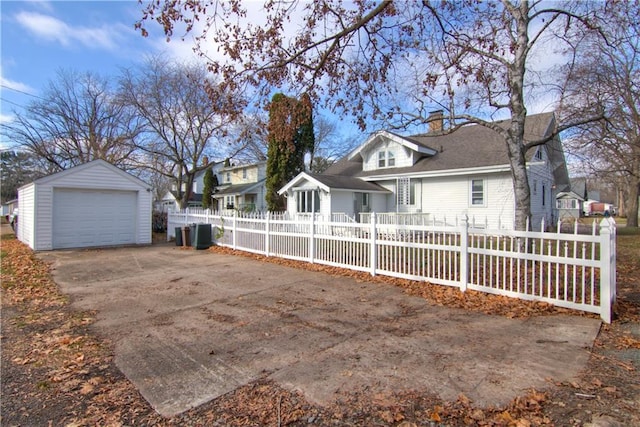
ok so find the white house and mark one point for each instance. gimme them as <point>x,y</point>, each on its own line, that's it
<point>169,201</point>
<point>93,204</point>
<point>436,174</point>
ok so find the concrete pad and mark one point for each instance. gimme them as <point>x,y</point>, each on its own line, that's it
<point>189,326</point>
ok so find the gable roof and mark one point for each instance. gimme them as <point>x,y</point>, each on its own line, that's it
<point>92,164</point>
<point>334,182</point>
<point>408,142</point>
<point>469,147</point>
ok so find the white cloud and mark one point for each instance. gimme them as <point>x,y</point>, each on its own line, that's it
<point>17,86</point>
<point>52,29</point>
<point>6,118</point>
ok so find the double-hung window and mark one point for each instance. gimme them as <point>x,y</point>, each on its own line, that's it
<point>477,192</point>
<point>386,159</point>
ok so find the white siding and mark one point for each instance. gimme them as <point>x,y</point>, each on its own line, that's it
<point>26,214</point>
<point>541,177</point>
<point>44,218</point>
<point>450,197</point>
<point>342,202</point>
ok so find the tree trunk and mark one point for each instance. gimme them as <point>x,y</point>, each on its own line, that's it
<point>521,190</point>
<point>632,205</point>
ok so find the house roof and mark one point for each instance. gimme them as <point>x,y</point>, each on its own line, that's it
<point>92,164</point>
<point>334,182</point>
<point>238,189</point>
<point>469,147</point>
<point>248,165</point>
<point>409,142</point>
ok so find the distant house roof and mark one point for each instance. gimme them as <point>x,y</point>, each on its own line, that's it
<point>471,146</point>
<point>238,189</point>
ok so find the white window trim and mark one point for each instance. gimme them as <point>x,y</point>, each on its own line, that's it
<point>384,158</point>
<point>484,193</point>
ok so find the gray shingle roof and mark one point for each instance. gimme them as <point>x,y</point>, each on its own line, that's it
<point>470,146</point>
<point>238,188</point>
<point>347,183</point>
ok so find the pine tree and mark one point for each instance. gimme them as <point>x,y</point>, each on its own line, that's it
<point>290,138</point>
<point>210,181</point>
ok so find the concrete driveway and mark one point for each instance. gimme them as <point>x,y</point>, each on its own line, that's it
<point>189,326</point>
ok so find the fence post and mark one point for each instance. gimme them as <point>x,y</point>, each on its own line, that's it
<point>233,228</point>
<point>312,238</point>
<point>464,253</point>
<point>373,250</point>
<point>607,269</point>
<point>266,234</point>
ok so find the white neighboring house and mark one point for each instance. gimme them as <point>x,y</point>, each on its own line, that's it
<point>242,187</point>
<point>437,175</point>
<point>90,205</point>
<point>169,201</point>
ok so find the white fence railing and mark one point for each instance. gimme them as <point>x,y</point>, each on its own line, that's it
<point>566,269</point>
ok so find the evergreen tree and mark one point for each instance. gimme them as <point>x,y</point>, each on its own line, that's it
<point>290,138</point>
<point>210,182</point>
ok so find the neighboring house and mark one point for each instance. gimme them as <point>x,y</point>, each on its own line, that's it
<point>169,201</point>
<point>8,207</point>
<point>437,175</point>
<point>93,204</point>
<point>569,205</point>
<point>242,187</point>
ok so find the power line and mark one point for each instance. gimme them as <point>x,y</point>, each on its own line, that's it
<point>21,91</point>
<point>11,102</point>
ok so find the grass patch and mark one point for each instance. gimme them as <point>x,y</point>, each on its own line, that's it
<point>628,231</point>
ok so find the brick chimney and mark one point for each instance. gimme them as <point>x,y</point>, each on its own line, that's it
<point>435,119</point>
<point>205,161</point>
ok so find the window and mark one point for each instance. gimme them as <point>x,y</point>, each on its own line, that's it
<point>535,186</point>
<point>365,199</point>
<point>244,173</point>
<point>477,192</point>
<point>406,194</point>
<point>538,155</point>
<point>308,201</point>
<point>386,159</point>
<point>567,204</point>
<point>544,192</point>
<point>229,202</point>
<point>228,176</point>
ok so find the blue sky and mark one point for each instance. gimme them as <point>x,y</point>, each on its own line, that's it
<point>39,38</point>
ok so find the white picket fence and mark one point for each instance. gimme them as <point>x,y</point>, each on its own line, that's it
<point>567,269</point>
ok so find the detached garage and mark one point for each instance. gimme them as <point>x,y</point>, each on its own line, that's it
<point>94,204</point>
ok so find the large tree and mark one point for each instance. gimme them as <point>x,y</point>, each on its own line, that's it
<point>393,63</point>
<point>184,121</point>
<point>290,139</point>
<point>17,168</point>
<point>77,119</point>
<point>606,75</point>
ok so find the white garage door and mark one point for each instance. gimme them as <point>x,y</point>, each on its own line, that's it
<point>83,218</point>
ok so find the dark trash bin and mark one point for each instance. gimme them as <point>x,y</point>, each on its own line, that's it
<point>202,236</point>
<point>186,239</point>
<point>178,231</point>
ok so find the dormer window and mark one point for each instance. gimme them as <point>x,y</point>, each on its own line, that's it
<point>386,159</point>
<point>538,155</point>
